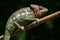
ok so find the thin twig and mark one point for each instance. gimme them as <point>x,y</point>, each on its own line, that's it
<point>2,37</point>
<point>44,19</point>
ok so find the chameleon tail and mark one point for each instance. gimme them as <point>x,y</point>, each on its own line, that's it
<point>7,35</point>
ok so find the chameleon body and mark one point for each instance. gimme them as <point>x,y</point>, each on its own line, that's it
<point>19,20</point>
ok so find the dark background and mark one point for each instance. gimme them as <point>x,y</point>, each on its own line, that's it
<point>7,7</point>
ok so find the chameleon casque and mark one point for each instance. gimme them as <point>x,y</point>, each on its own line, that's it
<point>21,19</point>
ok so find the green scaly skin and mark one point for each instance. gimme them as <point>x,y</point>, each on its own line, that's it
<point>19,20</point>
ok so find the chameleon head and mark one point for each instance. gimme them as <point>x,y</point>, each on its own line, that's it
<point>38,10</point>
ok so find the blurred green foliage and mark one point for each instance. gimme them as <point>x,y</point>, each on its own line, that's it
<point>7,7</point>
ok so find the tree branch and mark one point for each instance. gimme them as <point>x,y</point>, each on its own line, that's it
<point>2,37</point>
<point>40,21</point>
<point>44,19</point>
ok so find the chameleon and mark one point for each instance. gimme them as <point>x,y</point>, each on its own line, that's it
<point>20,19</point>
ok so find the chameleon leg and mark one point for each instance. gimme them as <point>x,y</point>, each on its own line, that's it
<point>7,35</point>
<point>21,27</point>
<point>31,18</point>
<point>21,35</point>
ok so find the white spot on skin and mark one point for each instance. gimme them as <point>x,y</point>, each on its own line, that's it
<point>18,15</point>
<point>11,21</point>
<point>14,18</point>
<point>27,12</point>
<point>23,13</point>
